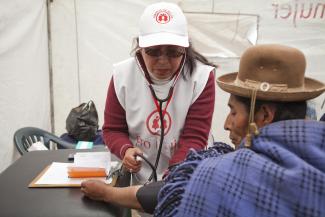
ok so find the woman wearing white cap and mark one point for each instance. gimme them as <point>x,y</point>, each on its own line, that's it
<point>159,103</point>
<point>277,168</point>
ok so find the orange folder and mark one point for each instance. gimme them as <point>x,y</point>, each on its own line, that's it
<point>82,172</point>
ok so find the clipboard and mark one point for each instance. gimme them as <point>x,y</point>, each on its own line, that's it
<point>62,180</point>
<point>34,184</point>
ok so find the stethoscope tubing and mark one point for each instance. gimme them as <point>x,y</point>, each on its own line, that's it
<point>161,116</point>
<point>162,134</point>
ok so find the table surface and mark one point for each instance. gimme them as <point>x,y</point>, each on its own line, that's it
<point>16,199</point>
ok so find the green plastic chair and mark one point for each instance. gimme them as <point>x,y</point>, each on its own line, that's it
<point>26,136</point>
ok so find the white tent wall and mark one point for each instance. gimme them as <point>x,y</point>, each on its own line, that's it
<point>88,36</point>
<point>24,71</point>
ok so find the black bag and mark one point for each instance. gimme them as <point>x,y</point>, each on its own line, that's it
<point>82,122</point>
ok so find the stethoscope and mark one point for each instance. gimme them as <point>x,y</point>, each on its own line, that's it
<point>159,105</point>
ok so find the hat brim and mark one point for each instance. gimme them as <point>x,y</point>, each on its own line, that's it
<point>163,38</point>
<point>312,89</point>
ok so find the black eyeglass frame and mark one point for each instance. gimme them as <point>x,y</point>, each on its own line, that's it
<point>171,52</point>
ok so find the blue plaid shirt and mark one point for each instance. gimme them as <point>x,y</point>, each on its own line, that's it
<point>282,174</point>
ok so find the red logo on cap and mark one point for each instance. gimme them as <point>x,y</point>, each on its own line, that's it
<point>163,16</point>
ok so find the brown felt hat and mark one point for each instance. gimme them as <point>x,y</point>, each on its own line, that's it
<point>277,72</point>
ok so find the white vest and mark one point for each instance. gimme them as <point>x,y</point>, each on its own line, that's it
<point>142,117</point>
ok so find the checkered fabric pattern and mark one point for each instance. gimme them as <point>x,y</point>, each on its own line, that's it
<point>171,195</point>
<point>283,174</point>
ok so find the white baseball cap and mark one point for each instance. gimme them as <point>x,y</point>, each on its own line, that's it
<point>161,24</point>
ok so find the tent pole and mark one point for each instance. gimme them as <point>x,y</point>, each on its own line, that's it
<point>77,47</point>
<point>48,4</point>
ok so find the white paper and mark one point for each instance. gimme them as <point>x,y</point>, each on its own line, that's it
<point>37,146</point>
<point>93,160</point>
<point>57,174</point>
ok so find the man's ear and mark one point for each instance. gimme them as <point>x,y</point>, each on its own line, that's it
<point>265,115</point>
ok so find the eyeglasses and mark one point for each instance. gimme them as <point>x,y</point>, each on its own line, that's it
<point>171,52</point>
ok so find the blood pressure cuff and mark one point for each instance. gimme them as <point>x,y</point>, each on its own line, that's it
<point>147,196</point>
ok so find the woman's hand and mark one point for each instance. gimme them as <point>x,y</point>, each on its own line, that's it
<point>129,160</point>
<point>96,190</point>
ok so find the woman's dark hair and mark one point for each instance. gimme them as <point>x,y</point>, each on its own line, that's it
<point>284,110</point>
<point>191,56</point>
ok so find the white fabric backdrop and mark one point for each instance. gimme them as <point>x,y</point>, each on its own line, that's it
<point>221,30</point>
<point>88,36</point>
<point>24,72</point>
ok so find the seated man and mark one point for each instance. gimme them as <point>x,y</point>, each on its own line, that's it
<point>97,139</point>
<point>278,167</point>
